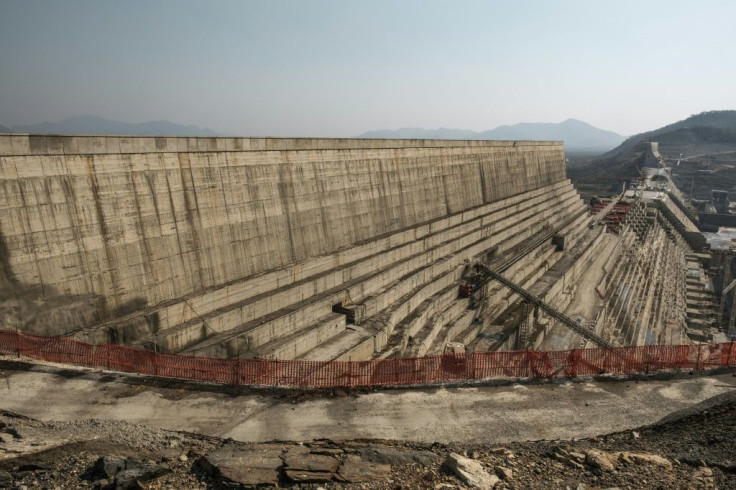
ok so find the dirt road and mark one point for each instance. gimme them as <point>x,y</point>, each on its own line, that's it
<point>488,414</point>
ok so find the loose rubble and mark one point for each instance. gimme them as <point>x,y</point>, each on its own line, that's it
<point>470,472</point>
<point>696,451</point>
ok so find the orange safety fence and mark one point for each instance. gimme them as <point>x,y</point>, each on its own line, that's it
<point>374,372</point>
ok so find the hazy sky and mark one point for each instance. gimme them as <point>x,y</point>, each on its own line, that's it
<point>342,67</point>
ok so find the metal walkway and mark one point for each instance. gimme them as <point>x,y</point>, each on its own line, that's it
<point>538,303</point>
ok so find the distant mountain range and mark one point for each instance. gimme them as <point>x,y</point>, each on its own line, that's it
<point>577,135</point>
<point>422,134</point>
<point>4,129</point>
<point>99,125</point>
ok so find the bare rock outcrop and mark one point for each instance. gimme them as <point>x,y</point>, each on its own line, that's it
<point>470,472</point>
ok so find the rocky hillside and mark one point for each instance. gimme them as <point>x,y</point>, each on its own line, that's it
<point>705,133</point>
<point>698,129</point>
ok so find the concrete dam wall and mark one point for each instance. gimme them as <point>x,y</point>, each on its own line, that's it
<point>245,246</point>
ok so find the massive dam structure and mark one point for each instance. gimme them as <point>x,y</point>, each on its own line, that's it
<point>335,248</point>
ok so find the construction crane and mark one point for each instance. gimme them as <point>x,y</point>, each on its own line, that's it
<point>487,275</point>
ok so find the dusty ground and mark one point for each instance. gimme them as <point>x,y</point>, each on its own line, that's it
<point>483,414</point>
<point>55,424</point>
<point>698,446</point>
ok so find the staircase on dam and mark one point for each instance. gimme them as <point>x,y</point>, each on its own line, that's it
<point>321,249</point>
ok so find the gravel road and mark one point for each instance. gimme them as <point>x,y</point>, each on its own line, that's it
<point>478,414</point>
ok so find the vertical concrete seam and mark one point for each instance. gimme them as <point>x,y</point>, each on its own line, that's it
<point>173,214</point>
<point>148,265</point>
<point>29,233</point>
<point>189,216</point>
<point>105,235</point>
<point>75,222</point>
<point>282,184</point>
<point>228,225</point>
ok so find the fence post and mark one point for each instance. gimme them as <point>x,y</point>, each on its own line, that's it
<point>573,363</point>
<point>236,371</point>
<point>155,354</point>
<point>697,363</point>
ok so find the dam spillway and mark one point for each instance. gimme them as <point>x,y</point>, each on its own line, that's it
<point>284,248</point>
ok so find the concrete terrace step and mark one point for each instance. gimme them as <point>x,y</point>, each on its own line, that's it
<point>543,256</point>
<point>533,266</point>
<point>408,330</point>
<point>254,342</point>
<point>699,323</point>
<point>302,341</point>
<point>452,331</point>
<point>388,271</point>
<point>376,302</point>
<point>467,335</point>
<point>374,335</point>
<point>530,268</point>
<point>549,281</point>
<point>455,309</point>
<point>703,314</point>
<point>250,336</point>
<point>536,223</point>
<point>201,304</point>
<point>383,325</point>
<point>523,246</point>
<point>422,341</point>
<point>341,346</point>
<point>336,276</point>
<point>701,295</point>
